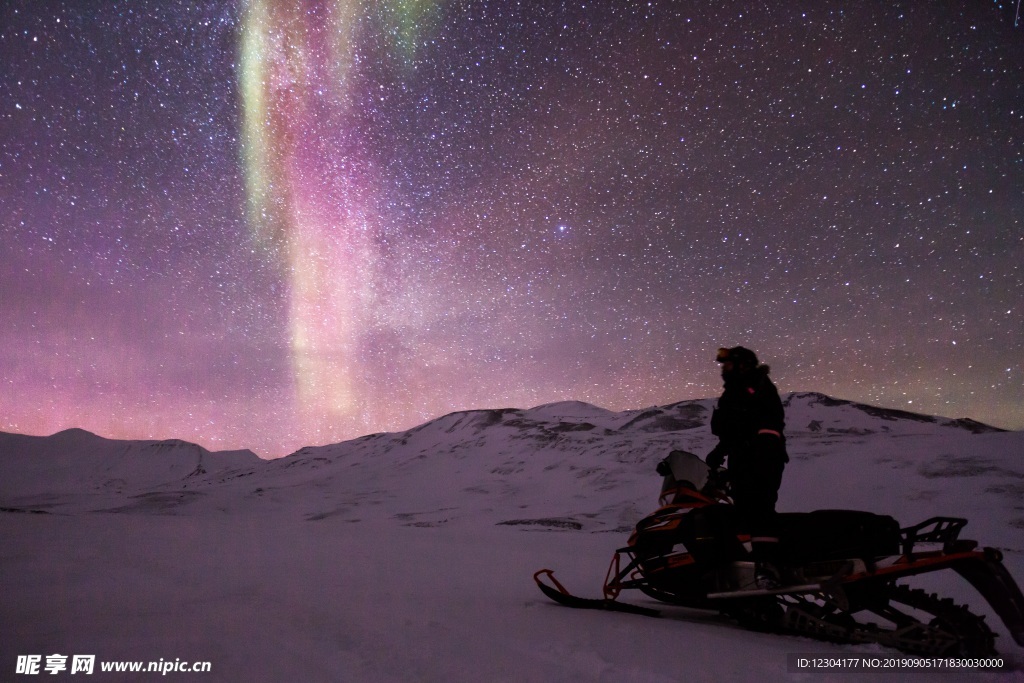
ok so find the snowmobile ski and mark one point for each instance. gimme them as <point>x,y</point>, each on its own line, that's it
<point>559,594</point>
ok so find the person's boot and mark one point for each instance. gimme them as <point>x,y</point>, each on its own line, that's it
<point>767,572</point>
<point>766,576</point>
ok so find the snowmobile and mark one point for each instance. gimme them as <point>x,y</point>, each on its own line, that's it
<point>841,577</point>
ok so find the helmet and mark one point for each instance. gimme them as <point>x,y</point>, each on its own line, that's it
<point>738,355</point>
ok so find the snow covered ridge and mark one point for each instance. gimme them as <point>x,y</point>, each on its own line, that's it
<point>46,470</point>
<point>804,404</point>
<point>567,465</point>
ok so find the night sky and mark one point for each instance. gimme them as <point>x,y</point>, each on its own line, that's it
<point>278,223</point>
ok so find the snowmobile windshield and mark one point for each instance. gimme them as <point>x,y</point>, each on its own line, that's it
<point>687,470</point>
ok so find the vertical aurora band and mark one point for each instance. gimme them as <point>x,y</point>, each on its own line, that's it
<point>310,186</point>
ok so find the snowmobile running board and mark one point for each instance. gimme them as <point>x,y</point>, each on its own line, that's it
<point>781,590</point>
<point>563,597</point>
<point>830,588</point>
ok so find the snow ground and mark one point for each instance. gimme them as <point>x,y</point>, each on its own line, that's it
<point>386,559</point>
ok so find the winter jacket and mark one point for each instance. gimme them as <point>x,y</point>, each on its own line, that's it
<point>749,419</point>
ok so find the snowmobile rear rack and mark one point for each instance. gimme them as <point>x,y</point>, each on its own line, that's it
<point>944,530</point>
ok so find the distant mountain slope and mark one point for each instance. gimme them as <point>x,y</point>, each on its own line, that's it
<point>847,412</point>
<point>560,465</point>
<point>46,470</point>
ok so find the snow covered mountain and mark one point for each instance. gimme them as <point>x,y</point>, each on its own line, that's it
<point>48,472</point>
<point>408,555</point>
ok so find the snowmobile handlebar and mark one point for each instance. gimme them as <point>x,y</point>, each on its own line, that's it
<point>685,472</point>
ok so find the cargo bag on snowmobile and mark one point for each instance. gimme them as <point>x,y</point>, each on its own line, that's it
<point>837,535</point>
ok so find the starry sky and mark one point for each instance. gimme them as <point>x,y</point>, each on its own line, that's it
<point>275,223</point>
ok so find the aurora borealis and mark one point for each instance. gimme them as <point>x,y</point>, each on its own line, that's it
<point>278,223</point>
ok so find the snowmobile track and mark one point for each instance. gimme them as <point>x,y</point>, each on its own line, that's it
<point>951,629</point>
